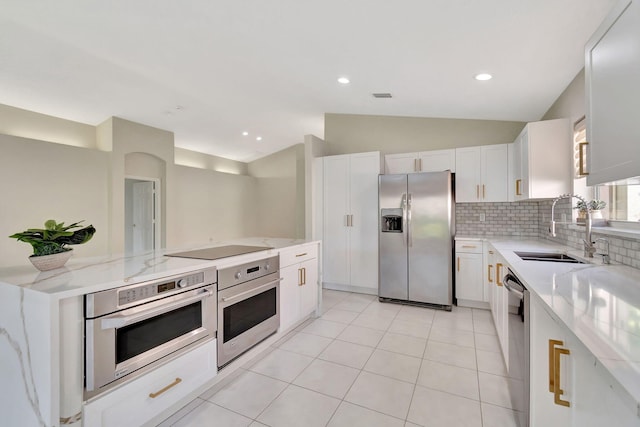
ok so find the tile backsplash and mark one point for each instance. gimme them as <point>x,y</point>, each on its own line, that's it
<point>532,219</point>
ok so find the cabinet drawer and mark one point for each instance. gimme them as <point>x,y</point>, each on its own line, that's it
<point>290,256</point>
<point>133,404</point>
<point>470,246</point>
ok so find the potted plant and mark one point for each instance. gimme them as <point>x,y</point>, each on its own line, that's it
<point>593,206</point>
<point>50,243</point>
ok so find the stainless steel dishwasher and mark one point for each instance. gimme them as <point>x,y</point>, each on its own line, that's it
<point>519,346</point>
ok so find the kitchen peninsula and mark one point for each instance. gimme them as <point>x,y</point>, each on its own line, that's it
<point>42,330</point>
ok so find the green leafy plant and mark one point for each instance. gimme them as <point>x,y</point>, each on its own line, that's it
<point>592,205</point>
<point>54,237</point>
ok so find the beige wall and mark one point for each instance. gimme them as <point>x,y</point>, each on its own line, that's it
<point>280,192</point>
<point>571,103</point>
<point>205,161</point>
<point>41,181</point>
<point>348,133</point>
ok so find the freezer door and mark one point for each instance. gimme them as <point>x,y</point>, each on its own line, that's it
<point>430,237</point>
<point>392,265</point>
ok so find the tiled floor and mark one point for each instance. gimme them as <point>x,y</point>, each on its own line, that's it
<point>366,363</point>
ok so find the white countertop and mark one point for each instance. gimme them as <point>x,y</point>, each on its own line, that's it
<point>599,304</point>
<point>84,275</point>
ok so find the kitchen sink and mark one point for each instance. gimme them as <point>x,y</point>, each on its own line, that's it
<point>548,256</point>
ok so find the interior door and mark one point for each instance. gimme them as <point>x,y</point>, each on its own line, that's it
<point>143,216</point>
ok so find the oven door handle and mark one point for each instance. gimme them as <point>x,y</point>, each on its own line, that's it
<point>119,321</point>
<point>266,285</point>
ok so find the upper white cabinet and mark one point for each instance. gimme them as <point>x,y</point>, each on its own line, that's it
<point>482,173</point>
<point>612,71</point>
<point>350,221</point>
<point>425,161</point>
<point>541,165</point>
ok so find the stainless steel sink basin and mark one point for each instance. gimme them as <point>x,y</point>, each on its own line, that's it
<point>548,256</point>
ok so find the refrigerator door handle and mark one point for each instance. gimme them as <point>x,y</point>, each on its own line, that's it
<point>404,216</point>
<point>409,237</point>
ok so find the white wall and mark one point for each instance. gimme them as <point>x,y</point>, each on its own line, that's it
<point>41,181</point>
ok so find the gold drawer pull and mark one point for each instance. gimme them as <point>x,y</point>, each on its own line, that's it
<point>458,263</point>
<point>518,190</point>
<point>469,246</point>
<point>483,193</point>
<point>489,267</point>
<point>159,392</point>
<point>498,267</point>
<point>554,371</point>
<point>302,254</point>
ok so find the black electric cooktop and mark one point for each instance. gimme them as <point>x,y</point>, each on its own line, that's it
<point>219,252</point>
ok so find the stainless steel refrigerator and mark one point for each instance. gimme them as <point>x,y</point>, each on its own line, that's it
<point>416,228</point>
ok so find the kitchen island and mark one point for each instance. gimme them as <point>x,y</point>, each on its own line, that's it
<point>42,326</point>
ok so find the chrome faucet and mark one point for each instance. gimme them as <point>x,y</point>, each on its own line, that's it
<point>589,246</point>
<point>606,259</point>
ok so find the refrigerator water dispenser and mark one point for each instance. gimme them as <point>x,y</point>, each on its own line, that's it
<point>391,220</point>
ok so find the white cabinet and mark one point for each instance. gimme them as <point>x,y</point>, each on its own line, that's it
<point>469,273</point>
<point>612,72</point>
<point>482,173</point>
<point>425,161</point>
<point>299,284</point>
<point>148,399</point>
<point>541,165</point>
<point>350,221</point>
<point>569,387</point>
<point>499,301</point>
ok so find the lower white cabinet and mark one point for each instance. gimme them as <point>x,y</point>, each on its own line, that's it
<point>145,399</point>
<point>469,267</point>
<point>569,387</point>
<point>500,305</point>
<point>299,285</point>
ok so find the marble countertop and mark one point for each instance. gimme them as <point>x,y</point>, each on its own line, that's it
<point>599,304</point>
<point>85,275</point>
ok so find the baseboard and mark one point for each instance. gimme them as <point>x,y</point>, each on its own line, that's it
<point>349,288</point>
<point>473,304</point>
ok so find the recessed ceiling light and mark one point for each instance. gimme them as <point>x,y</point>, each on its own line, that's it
<point>259,138</point>
<point>245,133</point>
<point>343,80</point>
<point>483,76</point>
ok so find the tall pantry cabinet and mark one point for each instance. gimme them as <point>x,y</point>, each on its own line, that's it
<point>350,222</point>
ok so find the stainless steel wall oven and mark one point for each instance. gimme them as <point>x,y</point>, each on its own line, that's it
<point>248,306</point>
<point>131,329</point>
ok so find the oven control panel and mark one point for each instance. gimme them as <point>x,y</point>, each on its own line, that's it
<point>232,276</point>
<point>142,292</point>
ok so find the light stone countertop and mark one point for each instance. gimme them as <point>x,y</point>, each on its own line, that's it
<point>599,304</point>
<point>85,275</point>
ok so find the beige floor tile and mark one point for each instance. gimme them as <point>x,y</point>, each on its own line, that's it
<point>491,363</point>
<point>448,378</point>
<point>282,365</point>
<point>394,365</point>
<point>307,344</point>
<point>404,344</point>
<point>501,417</point>
<point>416,314</point>
<point>203,414</point>
<point>382,309</point>
<point>487,343</point>
<point>249,394</point>
<point>414,329</point>
<point>324,328</point>
<point>454,322</point>
<point>450,354</point>
<point>181,413</point>
<point>297,407</point>
<point>349,415</point>
<point>382,394</point>
<point>347,354</point>
<point>437,409</point>
<point>342,316</point>
<point>373,321</point>
<point>360,335</point>
<point>352,305</point>
<point>495,389</point>
<point>484,326</point>
<point>452,336</point>
<point>327,378</point>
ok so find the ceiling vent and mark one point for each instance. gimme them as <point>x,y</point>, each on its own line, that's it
<point>382,95</point>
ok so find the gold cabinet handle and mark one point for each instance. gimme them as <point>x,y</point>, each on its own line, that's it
<point>302,254</point>
<point>554,371</point>
<point>299,277</point>
<point>581,168</point>
<point>159,392</point>
<point>490,252</point>
<point>483,193</point>
<point>304,275</point>
<point>498,267</point>
<point>489,267</point>
<point>518,189</point>
<point>458,263</point>
<point>477,191</point>
<point>469,246</point>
